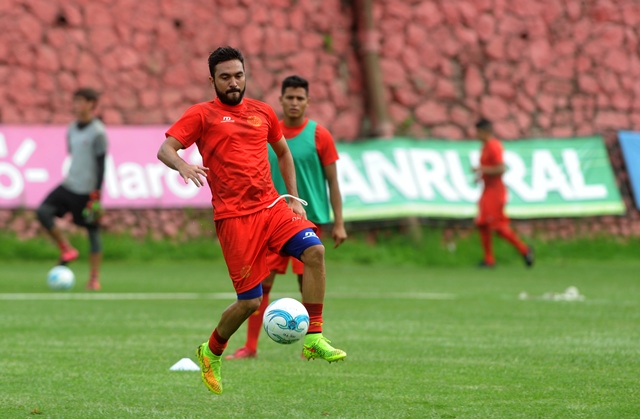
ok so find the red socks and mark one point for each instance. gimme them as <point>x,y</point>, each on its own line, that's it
<point>217,343</point>
<point>254,323</point>
<point>315,317</point>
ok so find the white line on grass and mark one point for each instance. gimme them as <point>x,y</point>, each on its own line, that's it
<point>209,296</point>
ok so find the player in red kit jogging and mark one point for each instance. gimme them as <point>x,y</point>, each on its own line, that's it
<point>315,156</point>
<point>232,133</point>
<point>491,216</point>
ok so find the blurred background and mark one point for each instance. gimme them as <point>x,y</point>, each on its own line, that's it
<point>422,70</point>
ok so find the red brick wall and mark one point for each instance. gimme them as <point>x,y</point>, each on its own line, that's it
<point>149,56</point>
<point>537,67</point>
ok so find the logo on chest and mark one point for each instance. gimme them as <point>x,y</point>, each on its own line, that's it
<point>254,120</point>
<point>227,119</point>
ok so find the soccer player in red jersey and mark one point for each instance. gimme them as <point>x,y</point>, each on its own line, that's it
<point>232,133</point>
<point>314,155</point>
<point>491,216</point>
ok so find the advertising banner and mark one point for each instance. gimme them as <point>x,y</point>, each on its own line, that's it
<point>630,144</point>
<point>378,179</point>
<point>33,161</point>
<point>545,178</point>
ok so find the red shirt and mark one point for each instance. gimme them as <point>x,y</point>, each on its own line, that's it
<point>325,146</point>
<point>233,143</point>
<point>492,155</point>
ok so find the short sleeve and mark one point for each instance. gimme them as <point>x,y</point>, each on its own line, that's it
<point>189,128</point>
<point>100,144</point>
<point>325,146</point>
<point>275,132</point>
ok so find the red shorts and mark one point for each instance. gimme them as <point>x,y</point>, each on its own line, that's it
<point>279,263</point>
<point>245,241</point>
<point>491,209</point>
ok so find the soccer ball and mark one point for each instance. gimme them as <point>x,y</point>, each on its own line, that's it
<point>60,278</point>
<point>286,321</point>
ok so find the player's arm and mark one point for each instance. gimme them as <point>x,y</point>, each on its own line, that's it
<point>492,170</point>
<point>339,233</point>
<point>288,172</point>
<point>168,154</point>
<point>100,152</point>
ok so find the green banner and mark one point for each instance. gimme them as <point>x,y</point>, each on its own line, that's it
<point>433,178</point>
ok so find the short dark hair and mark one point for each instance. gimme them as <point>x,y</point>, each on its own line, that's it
<point>295,81</point>
<point>484,124</point>
<point>87,93</point>
<point>221,55</point>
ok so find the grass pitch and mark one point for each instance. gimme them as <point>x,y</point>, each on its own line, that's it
<point>421,343</point>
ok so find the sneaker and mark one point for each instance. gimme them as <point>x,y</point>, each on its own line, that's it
<point>93,285</point>
<point>210,367</point>
<point>317,346</point>
<point>485,264</point>
<point>529,257</point>
<point>242,353</point>
<point>69,255</point>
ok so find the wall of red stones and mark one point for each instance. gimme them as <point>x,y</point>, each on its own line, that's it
<point>537,67</point>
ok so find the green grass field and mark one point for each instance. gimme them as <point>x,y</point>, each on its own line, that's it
<point>422,343</point>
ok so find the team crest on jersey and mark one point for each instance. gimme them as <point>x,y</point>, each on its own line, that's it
<point>254,120</point>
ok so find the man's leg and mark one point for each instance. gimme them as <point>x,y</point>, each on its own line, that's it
<point>313,290</point>
<point>46,213</point>
<point>509,235</point>
<point>314,277</point>
<point>210,353</point>
<point>254,323</point>
<point>95,258</point>
<point>487,245</point>
<point>296,237</point>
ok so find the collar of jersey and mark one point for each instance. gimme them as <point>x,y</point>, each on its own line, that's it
<point>297,129</point>
<point>237,108</point>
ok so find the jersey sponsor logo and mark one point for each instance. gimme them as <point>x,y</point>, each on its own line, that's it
<point>254,120</point>
<point>227,119</point>
<point>309,234</point>
<point>296,218</point>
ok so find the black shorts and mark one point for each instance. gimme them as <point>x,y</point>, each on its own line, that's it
<point>64,201</point>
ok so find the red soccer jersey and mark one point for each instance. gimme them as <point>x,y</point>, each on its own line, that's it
<point>492,155</point>
<point>325,146</point>
<point>233,143</point>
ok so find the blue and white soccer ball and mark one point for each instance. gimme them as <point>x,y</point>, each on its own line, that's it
<point>60,278</point>
<point>286,321</point>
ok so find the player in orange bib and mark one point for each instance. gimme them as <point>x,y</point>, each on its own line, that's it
<point>232,133</point>
<point>491,216</point>
<point>315,156</point>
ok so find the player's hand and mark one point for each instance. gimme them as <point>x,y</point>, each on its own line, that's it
<point>93,211</point>
<point>297,207</point>
<point>193,172</point>
<point>339,234</point>
<point>477,174</point>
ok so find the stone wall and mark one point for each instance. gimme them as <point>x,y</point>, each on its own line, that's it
<point>149,56</point>
<point>537,68</point>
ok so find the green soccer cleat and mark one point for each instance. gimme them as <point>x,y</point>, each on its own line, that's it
<point>210,367</point>
<point>317,346</point>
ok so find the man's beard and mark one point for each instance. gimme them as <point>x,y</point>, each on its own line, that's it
<point>228,100</point>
